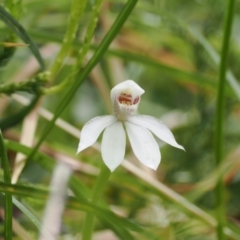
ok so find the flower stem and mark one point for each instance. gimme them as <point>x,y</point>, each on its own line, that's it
<point>97,193</point>
<point>77,9</point>
<point>219,122</point>
<point>102,48</point>
<point>82,52</point>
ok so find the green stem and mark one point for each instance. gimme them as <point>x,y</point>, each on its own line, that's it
<point>8,196</point>
<point>18,117</point>
<point>77,9</point>
<point>82,52</point>
<point>93,61</point>
<point>82,192</point>
<point>97,193</point>
<point>31,86</point>
<point>219,122</point>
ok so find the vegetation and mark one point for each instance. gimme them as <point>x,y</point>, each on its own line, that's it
<point>59,60</point>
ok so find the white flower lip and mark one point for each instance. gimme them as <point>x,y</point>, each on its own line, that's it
<point>127,91</point>
<point>125,98</point>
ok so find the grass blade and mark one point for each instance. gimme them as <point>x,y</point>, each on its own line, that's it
<point>8,197</point>
<point>232,81</point>
<point>73,203</point>
<point>195,78</point>
<point>219,121</point>
<point>16,27</point>
<point>14,119</point>
<point>33,218</point>
<point>79,189</point>
<point>93,61</point>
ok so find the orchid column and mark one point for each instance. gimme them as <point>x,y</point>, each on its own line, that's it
<point>125,98</point>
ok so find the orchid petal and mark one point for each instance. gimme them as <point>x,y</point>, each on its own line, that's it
<point>92,129</point>
<point>156,127</point>
<point>144,145</point>
<point>113,145</point>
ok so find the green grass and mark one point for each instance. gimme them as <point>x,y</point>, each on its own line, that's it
<point>187,61</point>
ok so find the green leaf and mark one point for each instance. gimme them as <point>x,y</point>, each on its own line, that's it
<point>79,189</point>
<point>180,75</point>
<point>100,51</point>
<point>48,163</point>
<point>8,197</point>
<point>6,55</point>
<point>16,27</point>
<point>14,119</point>
<point>73,203</point>
<point>33,218</point>
<point>232,81</point>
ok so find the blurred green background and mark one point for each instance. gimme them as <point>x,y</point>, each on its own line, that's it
<point>171,49</point>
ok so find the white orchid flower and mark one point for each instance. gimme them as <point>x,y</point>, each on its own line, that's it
<point>125,99</point>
